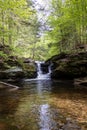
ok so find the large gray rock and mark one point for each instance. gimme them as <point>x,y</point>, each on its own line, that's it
<point>13,73</point>
<point>69,66</point>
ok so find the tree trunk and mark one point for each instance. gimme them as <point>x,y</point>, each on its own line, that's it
<point>9,28</point>
<point>3,41</point>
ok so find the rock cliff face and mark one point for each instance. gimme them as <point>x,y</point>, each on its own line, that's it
<point>16,70</point>
<point>13,68</point>
<point>68,66</point>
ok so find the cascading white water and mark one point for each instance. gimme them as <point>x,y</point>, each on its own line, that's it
<point>39,71</point>
<point>40,74</point>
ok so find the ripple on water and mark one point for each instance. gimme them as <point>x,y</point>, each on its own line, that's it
<point>42,105</point>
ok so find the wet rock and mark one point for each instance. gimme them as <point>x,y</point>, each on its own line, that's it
<point>16,73</point>
<point>70,125</point>
<point>81,82</point>
<point>13,68</point>
<point>56,57</point>
<point>44,68</point>
<point>3,75</point>
<point>30,70</point>
<point>12,74</point>
<point>69,66</point>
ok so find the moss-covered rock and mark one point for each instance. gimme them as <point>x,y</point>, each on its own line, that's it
<point>14,73</point>
<point>69,66</point>
<point>30,70</point>
<point>14,68</point>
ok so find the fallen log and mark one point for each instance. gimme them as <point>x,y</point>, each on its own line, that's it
<point>11,87</point>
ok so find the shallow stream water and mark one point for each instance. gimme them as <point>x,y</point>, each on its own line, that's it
<point>42,104</point>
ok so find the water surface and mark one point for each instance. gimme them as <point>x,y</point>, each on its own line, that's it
<point>42,105</point>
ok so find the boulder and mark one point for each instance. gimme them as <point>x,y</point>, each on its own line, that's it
<point>69,66</point>
<point>30,70</point>
<point>17,73</point>
<point>13,73</point>
<point>13,67</point>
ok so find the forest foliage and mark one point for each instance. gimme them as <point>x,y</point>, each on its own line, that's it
<point>20,28</point>
<point>12,14</point>
<point>15,24</point>
<point>68,20</point>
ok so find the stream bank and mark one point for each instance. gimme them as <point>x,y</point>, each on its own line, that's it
<point>69,66</point>
<point>14,68</point>
<point>63,66</point>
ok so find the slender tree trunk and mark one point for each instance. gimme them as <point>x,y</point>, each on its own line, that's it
<point>33,51</point>
<point>3,40</point>
<point>9,28</point>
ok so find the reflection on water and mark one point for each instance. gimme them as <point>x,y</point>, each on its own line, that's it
<point>42,105</point>
<point>45,117</point>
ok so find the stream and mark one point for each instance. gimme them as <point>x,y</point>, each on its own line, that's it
<point>43,104</point>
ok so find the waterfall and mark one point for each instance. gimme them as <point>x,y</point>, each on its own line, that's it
<point>40,74</point>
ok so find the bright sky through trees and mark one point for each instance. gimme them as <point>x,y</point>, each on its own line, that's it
<point>43,11</point>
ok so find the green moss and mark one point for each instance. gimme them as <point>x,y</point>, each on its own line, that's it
<point>3,55</point>
<point>20,62</point>
<point>28,67</point>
